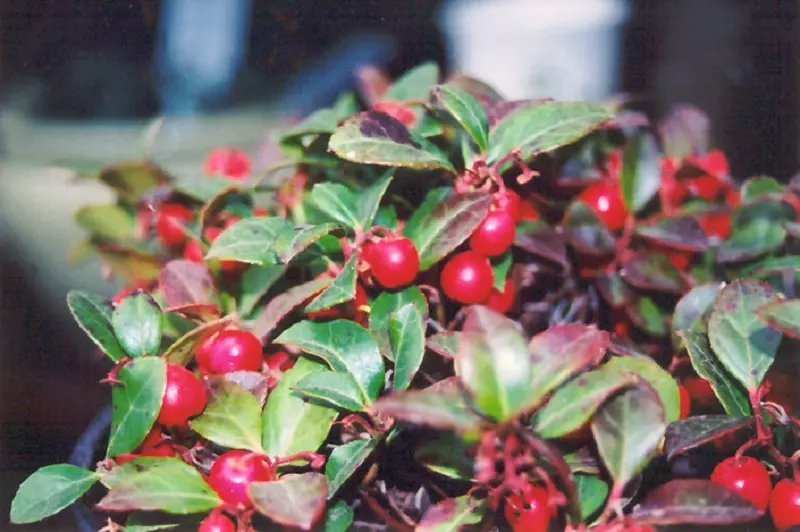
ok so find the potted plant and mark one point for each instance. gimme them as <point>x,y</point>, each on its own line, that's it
<point>441,310</point>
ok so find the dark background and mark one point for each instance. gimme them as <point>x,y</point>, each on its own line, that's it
<point>735,58</point>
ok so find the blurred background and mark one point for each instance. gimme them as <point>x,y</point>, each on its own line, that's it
<point>80,80</point>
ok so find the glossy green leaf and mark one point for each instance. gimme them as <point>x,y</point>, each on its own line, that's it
<point>49,490</point>
<point>296,501</point>
<point>344,460</point>
<point>500,268</point>
<point>376,138</point>
<point>407,338</point>
<point>752,240</point>
<point>93,315</point>
<point>628,430</point>
<point>135,403</point>
<point>292,424</point>
<point>732,396</point>
<point>592,493</point>
<point>448,225</point>
<point>138,324</point>
<point>641,172</point>
<point>414,84</point>
<point>782,315</point>
<point>320,121</point>
<point>451,515</point>
<point>342,289</point>
<point>339,517</point>
<point>494,364</point>
<point>346,347</point>
<point>772,265</point>
<point>335,388</point>
<point>693,305</point>
<point>162,484</point>
<point>338,202</point>
<point>433,198</point>
<point>110,222</point>
<point>256,282</point>
<point>756,187</point>
<point>382,308</point>
<point>294,241</point>
<point>660,379</point>
<point>368,201</point>
<point>745,345</point>
<point>648,316</point>
<point>444,343</point>
<point>466,110</point>
<point>574,404</point>
<point>231,419</point>
<point>281,305</point>
<point>540,128</point>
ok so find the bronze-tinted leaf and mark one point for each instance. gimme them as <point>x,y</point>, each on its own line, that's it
<point>691,433</point>
<point>184,282</point>
<point>279,306</point>
<point>653,271</point>
<point>543,241</point>
<point>679,232</point>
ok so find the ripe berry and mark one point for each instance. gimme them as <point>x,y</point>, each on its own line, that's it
<point>184,397</point>
<point>785,504</point>
<point>467,278</point>
<point>397,111</point>
<point>746,477</point>
<point>605,199</point>
<point>716,224</point>
<point>229,350</point>
<point>685,402</point>
<point>707,187</point>
<point>193,251</point>
<point>278,362</point>
<point>234,471</point>
<point>170,220</point>
<point>494,235</point>
<point>502,301</point>
<point>507,201</point>
<point>227,162</point>
<point>394,261</point>
<point>700,391</point>
<point>216,521</point>
<point>527,212</point>
<point>529,511</point>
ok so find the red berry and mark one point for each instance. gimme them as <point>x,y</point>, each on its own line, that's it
<point>122,294</point>
<point>279,362</point>
<point>170,220</point>
<point>260,211</point>
<point>227,162</point>
<point>527,212</point>
<point>685,402</point>
<point>706,187</point>
<point>467,278</point>
<point>234,471</point>
<point>714,163</point>
<point>746,477</point>
<point>494,235</point>
<point>229,350</point>
<point>785,504</point>
<point>605,199</point>
<point>216,521</point>
<point>397,111</point>
<point>193,251</point>
<point>716,223</point>
<point>184,397</point>
<point>394,261</point>
<point>508,201</point>
<point>502,301</point>
<point>529,511</point>
<point>700,391</point>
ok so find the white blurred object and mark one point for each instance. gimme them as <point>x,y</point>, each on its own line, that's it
<point>565,49</point>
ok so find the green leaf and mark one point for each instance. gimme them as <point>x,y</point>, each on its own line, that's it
<point>342,289</point>
<point>494,364</point>
<point>441,405</point>
<point>295,501</point>
<point>448,455</point>
<point>561,352</point>
<point>723,432</point>
<point>251,240</point>
<point>540,128</point>
<point>782,315</point>
<point>772,265</point>
<point>291,424</point>
<point>320,121</point>
<point>256,282</point>
<point>574,404</point>
<point>338,202</point>
<point>444,343</point>
<point>451,515</point>
<point>382,308</point>
<point>110,222</point>
<point>163,484</point>
<point>752,240</point>
<point>376,138</point>
<point>345,105</point>
<point>93,314</point>
<point>231,419</point>
<point>448,225</point>
<point>628,430</point>
<point>369,201</point>
<point>648,316</point>
<point>135,403</point>
<point>756,187</point>
<point>641,172</point>
<point>592,493</point>
<point>335,388</point>
<point>660,379</point>
<point>467,112</point>
<point>407,337</point>
<point>282,304</point>
<point>694,305</point>
<point>49,490</point>
<point>730,393</point>
<point>339,518</point>
<point>500,269</point>
<point>433,198</point>
<point>346,347</point>
<point>293,241</point>
<point>415,84</point>
<point>138,324</point>
<point>744,344</point>
<point>344,460</point>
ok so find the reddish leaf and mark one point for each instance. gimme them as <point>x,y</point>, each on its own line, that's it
<point>199,313</point>
<point>782,315</point>
<point>293,500</point>
<point>543,241</point>
<point>451,514</point>
<point>585,231</point>
<point>254,382</point>
<point>687,434</point>
<point>696,501</point>
<point>281,305</point>
<point>681,232</point>
<point>183,282</point>
<point>653,271</point>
